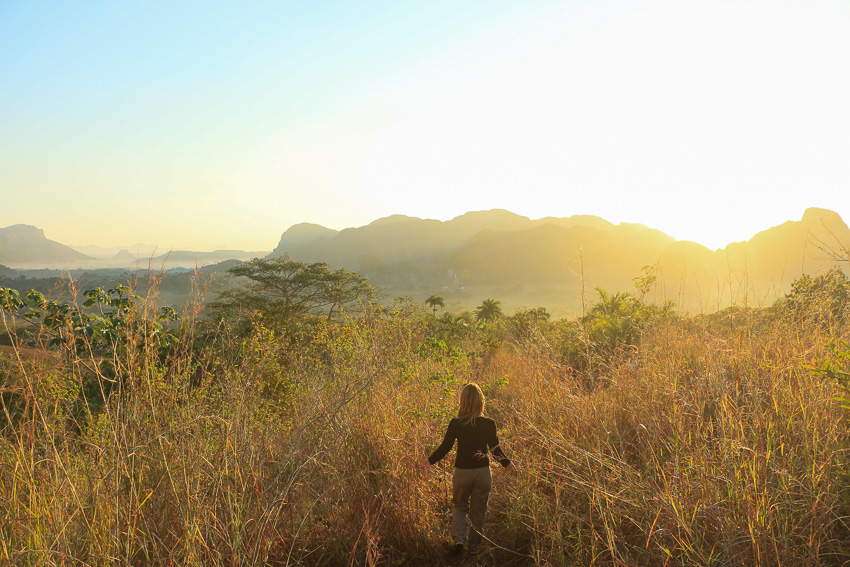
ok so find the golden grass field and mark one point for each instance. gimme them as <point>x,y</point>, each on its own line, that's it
<point>722,446</point>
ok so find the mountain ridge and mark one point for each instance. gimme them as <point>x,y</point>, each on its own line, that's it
<point>488,249</point>
<point>27,247</point>
<point>527,261</point>
<point>20,242</point>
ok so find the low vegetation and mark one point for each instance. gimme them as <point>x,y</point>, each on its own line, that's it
<point>286,428</point>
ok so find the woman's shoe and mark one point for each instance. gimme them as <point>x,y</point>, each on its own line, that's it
<point>458,549</point>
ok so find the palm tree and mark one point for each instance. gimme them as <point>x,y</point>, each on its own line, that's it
<point>435,301</point>
<point>488,311</point>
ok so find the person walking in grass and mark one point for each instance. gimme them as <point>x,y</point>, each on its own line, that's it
<point>476,437</point>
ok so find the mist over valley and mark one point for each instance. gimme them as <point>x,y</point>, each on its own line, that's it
<point>550,262</point>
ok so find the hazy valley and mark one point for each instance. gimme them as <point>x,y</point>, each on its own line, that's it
<point>549,262</point>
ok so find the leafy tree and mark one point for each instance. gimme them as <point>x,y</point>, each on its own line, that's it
<point>96,336</point>
<point>822,300</point>
<point>614,320</point>
<point>283,290</point>
<point>489,311</point>
<point>524,322</point>
<point>451,326</point>
<point>103,324</point>
<point>434,302</point>
<point>613,323</point>
<point>645,282</point>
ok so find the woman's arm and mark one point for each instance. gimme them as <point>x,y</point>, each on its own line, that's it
<point>496,450</point>
<point>448,442</point>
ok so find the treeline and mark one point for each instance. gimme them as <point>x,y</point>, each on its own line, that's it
<point>282,424</point>
<point>62,285</point>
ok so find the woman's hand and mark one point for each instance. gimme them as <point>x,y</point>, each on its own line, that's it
<point>425,463</point>
<point>512,467</point>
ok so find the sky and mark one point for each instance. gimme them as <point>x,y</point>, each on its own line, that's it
<point>209,125</point>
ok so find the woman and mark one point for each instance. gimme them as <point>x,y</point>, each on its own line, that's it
<point>476,437</point>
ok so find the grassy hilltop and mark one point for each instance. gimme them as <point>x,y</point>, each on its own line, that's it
<point>283,433</point>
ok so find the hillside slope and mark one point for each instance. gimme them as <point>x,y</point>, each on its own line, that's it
<point>529,261</point>
<point>25,245</point>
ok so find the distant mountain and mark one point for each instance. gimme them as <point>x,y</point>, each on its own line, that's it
<point>25,245</point>
<point>400,238</point>
<point>134,250</point>
<point>527,261</point>
<point>300,234</point>
<point>551,253</point>
<point>479,247</point>
<point>125,257</point>
<point>186,258</point>
<point>796,246</point>
<point>551,262</point>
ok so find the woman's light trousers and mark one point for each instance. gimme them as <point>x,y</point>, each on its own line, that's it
<point>470,493</point>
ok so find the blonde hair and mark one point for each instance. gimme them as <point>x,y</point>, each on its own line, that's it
<point>471,403</point>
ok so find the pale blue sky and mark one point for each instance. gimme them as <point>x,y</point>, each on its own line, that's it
<point>205,125</point>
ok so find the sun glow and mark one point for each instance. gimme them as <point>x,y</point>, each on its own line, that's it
<point>709,120</point>
<point>677,118</point>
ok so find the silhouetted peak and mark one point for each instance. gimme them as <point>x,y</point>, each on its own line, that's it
<point>492,215</point>
<point>23,244</point>
<point>300,234</point>
<point>393,219</point>
<point>827,217</point>
<point>22,231</point>
<point>308,229</point>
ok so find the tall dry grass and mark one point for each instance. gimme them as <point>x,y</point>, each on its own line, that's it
<point>719,448</point>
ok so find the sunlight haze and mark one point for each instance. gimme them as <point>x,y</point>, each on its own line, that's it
<point>205,125</point>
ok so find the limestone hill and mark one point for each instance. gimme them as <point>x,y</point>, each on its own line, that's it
<point>527,261</point>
